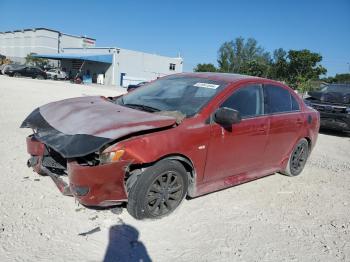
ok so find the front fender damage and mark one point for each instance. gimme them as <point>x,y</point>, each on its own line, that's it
<point>80,126</point>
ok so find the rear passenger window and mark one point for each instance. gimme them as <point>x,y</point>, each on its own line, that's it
<point>279,100</point>
<point>247,100</point>
<point>295,104</point>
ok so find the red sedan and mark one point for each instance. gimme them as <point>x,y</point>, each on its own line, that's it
<point>184,135</point>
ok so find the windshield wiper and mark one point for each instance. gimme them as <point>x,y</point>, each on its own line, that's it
<point>142,107</point>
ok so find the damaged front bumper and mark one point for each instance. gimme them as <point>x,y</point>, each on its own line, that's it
<point>101,185</point>
<point>36,150</point>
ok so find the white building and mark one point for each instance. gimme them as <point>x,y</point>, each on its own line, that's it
<point>16,45</point>
<point>116,66</point>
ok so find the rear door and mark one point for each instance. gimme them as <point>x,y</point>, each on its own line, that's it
<point>286,123</point>
<point>239,149</point>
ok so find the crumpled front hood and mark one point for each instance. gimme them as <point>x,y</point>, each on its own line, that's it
<point>79,126</point>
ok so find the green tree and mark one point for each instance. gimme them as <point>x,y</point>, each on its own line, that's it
<point>303,64</point>
<point>329,79</point>
<point>36,61</point>
<point>243,57</point>
<point>225,57</point>
<point>296,67</point>
<point>256,68</point>
<point>303,85</point>
<point>205,68</point>
<point>279,65</point>
<point>339,78</point>
<point>2,59</point>
<point>342,78</point>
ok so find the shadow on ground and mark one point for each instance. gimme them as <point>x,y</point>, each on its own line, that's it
<point>331,132</point>
<point>124,245</point>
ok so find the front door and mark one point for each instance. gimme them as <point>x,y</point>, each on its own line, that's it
<point>239,149</point>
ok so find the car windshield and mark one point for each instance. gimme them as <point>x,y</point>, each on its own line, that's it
<point>52,70</point>
<point>345,89</point>
<point>184,94</point>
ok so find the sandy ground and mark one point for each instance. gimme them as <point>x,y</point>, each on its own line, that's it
<point>277,218</point>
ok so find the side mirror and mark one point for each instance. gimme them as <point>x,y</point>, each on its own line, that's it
<point>227,116</point>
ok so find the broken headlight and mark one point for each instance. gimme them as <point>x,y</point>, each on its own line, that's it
<point>110,157</point>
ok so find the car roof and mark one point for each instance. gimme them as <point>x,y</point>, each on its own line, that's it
<point>227,77</point>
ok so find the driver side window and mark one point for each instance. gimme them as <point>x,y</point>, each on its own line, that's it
<point>248,100</point>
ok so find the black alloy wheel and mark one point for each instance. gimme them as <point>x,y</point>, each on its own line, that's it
<point>158,190</point>
<point>297,158</point>
<point>165,193</point>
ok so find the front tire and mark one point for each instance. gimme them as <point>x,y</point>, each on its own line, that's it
<point>158,191</point>
<point>297,158</point>
<point>17,74</point>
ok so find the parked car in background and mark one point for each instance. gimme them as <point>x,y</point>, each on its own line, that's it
<point>133,87</point>
<point>56,74</point>
<point>8,67</point>
<point>333,103</point>
<point>27,71</point>
<point>185,134</point>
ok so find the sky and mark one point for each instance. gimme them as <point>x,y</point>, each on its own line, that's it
<point>195,29</point>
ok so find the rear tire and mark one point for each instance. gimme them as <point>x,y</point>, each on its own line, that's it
<point>158,191</point>
<point>297,158</point>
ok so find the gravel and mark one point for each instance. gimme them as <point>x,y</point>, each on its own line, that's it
<point>277,218</point>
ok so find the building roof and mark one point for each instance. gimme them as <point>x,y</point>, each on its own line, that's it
<point>103,58</point>
<point>118,49</point>
<point>48,29</point>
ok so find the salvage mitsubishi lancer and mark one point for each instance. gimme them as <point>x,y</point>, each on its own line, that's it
<point>182,135</point>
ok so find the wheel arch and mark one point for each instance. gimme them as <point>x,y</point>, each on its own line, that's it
<point>285,160</point>
<point>187,164</point>
<point>309,142</point>
<point>190,169</point>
